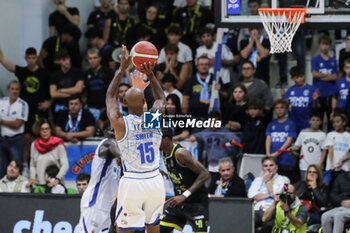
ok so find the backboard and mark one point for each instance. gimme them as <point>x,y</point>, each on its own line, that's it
<point>320,14</point>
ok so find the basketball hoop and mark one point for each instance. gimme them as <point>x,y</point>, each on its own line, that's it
<point>281,24</point>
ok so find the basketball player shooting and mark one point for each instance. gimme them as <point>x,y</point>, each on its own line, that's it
<point>141,192</point>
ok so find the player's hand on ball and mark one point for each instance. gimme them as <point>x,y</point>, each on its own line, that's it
<point>125,60</point>
<point>147,68</point>
<point>175,201</point>
<point>137,80</point>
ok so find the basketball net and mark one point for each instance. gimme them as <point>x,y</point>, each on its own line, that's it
<point>281,25</point>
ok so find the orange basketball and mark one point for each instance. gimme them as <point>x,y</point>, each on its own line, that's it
<point>142,52</point>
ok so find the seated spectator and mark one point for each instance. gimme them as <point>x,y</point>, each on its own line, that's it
<point>313,193</point>
<point>209,48</point>
<point>310,142</point>
<point>211,140</point>
<point>123,106</point>
<point>279,136</point>
<point>82,182</point>
<point>302,98</point>
<point>257,50</point>
<point>98,17</point>
<point>256,88</point>
<point>69,40</point>
<point>65,82</point>
<point>76,123</point>
<point>94,36</point>
<point>184,56</point>
<point>13,115</point>
<point>53,184</point>
<point>344,54</point>
<point>254,129</point>
<point>264,188</point>
<point>287,212</point>
<point>334,220</point>
<point>342,87</point>
<point>338,144</point>
<point>62,16</point>
<point>229,185</point>
<point>97,80</point>
<point>172,66</point>
<point>236,108</point>
<point>13,181</point>
<point>168,84</point>
<point>46,150</point>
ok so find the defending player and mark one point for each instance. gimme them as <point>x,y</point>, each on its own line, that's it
<point>191,197</point>
<point>105,174</point>
<point>141,192</point>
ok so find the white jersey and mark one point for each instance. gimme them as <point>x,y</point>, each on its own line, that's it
<point>311,147</point>
<point>139,147</point>
<point>11,112</point>
<point>341,146</point>
<point>104,182</point>
<point>184,55</point>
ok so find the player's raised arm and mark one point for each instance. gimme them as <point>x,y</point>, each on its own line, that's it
<point>157,90</point>
<point>113,90</point>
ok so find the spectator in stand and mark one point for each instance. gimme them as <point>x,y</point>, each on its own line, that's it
<point>209,48</point>
<point>69,40</point>
<point>13,181</point>
<point>338,144</point>
<point>152,24</point>
<point>342,87</point>
<point>191,19</point>
<point>344,54</point>
<point>168,84</point>
<point>62,16</point>
<point>82,182</point>
<point>184,54</point>
<point>94,36</point>
<point>65,82</point>
<point>229,185</point>
<point>253,6</point>
<point>118,30</point>
<point>197,90</point>
<point>76,123</point>
<point>123,106</point>
<point>173,112</point>
<point>97,80</point>
<point>310,143</point>
<point>264,188</point>
<point>279,136</point>
<point>236,108</point>
<point>257,50</point>
<point>324,72</point>
<point>253,131</point>
<point>256,88</point>
<point>212,140</point>
<point>53,184</point>
<point>302,97</point>
<point>13,115</point>
<point>334,220</point>
<point>98,17</point>
<point>172,66</point>
<point>313,193</point>
<point>35,91</point>
<point>45,151</point>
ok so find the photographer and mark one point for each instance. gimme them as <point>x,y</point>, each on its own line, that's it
<point>288,212</point>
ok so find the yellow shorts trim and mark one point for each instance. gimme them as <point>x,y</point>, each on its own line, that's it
<point>172,225</point>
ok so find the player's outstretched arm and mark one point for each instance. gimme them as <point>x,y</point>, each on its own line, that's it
<point>109,149</point>
<point>157,91</point>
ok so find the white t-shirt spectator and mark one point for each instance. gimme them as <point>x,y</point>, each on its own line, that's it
<point>311,146</point>
<point>341,146</point>
<point>11,112</point>
<point>226,54</point>
<point>259,186</point>
<point>184,55</point>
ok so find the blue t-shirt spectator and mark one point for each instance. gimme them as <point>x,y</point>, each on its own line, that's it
<point>301,101</point>
<point>325,67</point>
<point>342,87</point>
<point>279,132</point>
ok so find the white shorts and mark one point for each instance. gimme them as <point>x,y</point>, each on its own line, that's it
<point>140,200</point>
<point>94,220</point>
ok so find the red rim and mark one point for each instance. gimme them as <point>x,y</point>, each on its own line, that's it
<point>288,11</point>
